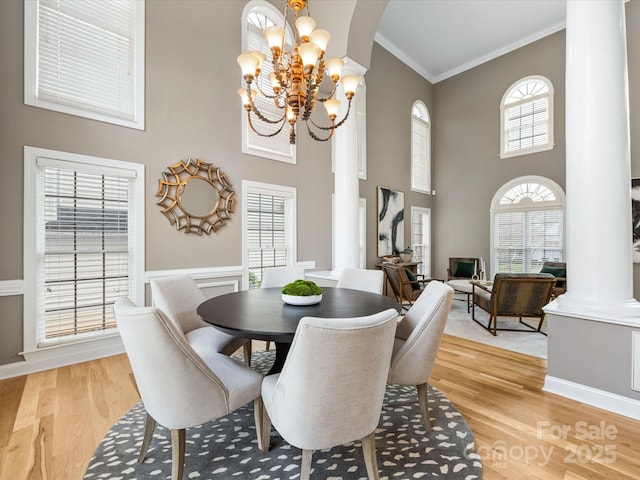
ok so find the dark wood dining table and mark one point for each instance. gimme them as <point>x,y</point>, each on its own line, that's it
<point>262,315</point>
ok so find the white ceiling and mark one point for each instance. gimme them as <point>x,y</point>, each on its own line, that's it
<point>441,38</point>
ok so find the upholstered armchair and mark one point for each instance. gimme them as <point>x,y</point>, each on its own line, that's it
<point>461,268</point>
<point>520,295</point>
<point>417,340</point>
<point>405,290</point>
<point>180,388</point>
<point>359,279</point>
<point>558,270</point>
<point>331,388</point>
<point>178,297</point>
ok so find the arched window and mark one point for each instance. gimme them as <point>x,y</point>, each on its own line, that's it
<point>258,15</point>
<point>526,117</point>
<point>527,217</point>
<point>420,148</point>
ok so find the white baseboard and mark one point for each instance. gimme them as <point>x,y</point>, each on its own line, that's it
<point>612,402</point>
<point>63,356</point>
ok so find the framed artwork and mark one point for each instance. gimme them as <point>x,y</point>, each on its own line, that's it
<point>635,218</point>
<point>390,222</point>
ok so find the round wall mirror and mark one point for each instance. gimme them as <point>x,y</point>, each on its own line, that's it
<point>196,196</point>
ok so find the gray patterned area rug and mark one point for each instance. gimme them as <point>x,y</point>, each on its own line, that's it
<point>227,448</point>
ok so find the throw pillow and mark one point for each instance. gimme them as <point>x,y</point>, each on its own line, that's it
<point>412,277</point>
<point>557,272</point>
<point>464,269</point>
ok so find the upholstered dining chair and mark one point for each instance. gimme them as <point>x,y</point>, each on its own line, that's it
<point>417,340</point>
<point>280,276</point>
<point>360,279</point>
<point>405,290</point>
<point>463,267</point>
<point>179,387</point>
<point>519,295</point>
<point>331,388</point>
<point>178,297</point>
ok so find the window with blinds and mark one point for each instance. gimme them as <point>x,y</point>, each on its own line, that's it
<point>268,232</point>
<point>421,238</point>
<point>86,242</point>
<point>530,232</point>
<point>420,149</point>
<point>527,117</point>
<point>86,58</point>
<point>260,16</point>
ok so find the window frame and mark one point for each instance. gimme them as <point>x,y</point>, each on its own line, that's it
<point>426,123</point>
<point>251,142</point>
<point>31,34</point>
<point>503,106</point>
<point>496,208</point>
<point>290,195</point>
<point>425,267</point>
<point>33,270</point>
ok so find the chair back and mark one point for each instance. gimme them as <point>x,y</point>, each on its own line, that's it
<point>521,294</point>
<point>280,276</point>
<point>172,379</point>
<point>359,279</point>
<point>178,297</point>
<point>558,270</point>
<point>400,283</point>
<point>331,388</point>
<point>463,267</point>
<point>418,335</point>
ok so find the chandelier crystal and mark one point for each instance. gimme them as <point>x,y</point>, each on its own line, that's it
<point>296,78</point>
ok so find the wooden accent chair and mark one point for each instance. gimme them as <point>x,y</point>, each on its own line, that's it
<point>180,388</point>
<point>519,295</point>
<point>331,388</point>
<point>405,290</point>
<point>558,270</point>
<point>461,267</point>
<point>417,341</point>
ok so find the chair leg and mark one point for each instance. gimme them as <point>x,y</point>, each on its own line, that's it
<point>178,441</point>
<point>305,465</point>
<point>263,425</point>
<point>268,345</point>
<point>246,353</point>
<point>423,400</point>
<point>149,427</point>
<point>369,452</point>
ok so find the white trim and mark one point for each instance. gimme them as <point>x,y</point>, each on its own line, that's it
<point>11,287</point>
<point>611,402</point>
<point>635,361</point>
<point>385,43</point>
<point>196,273</point>
<point>307,265</point>
<point>233,283</point>
<point>54,357</point>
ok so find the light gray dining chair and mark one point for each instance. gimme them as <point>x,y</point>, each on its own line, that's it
<point>417,341</point>
<point>361,279</point>
<point>180,388</point>
<point>331,388</point>
<point>280,276</point>
<point>178,297</point>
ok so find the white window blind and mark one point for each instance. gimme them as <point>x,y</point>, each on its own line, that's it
<point>420,149</point>
<point>266,235</point>
<point>83,242</point>
<point>276,147</point>
<point>421,239</point>
<point>85,57</point>
<point>527,117</point>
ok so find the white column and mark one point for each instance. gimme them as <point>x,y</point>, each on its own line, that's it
<point>598,165</point>
<point>346,182</point>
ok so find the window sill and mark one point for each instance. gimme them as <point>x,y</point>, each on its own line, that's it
<point>519,153</point>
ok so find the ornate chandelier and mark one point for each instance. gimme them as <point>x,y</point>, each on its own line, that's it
<point>294,83</point>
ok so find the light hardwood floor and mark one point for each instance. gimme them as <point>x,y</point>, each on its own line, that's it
<point>51,422</point>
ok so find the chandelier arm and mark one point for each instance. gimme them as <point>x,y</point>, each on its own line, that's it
<point>330,96</point>
<point>264,134</point>
<point>265,119</point>
<point>316,137</point>
<point>333,126</point>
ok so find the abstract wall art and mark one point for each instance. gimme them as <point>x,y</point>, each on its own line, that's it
<point>390,221</point>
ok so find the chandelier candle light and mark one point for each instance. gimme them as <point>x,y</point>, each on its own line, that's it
<point>296,77</point>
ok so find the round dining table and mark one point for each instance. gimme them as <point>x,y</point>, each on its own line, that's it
<point>261,313</point>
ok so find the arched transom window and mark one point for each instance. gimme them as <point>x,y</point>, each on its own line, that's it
<point>526,117</point>
<point>527,216</point>
<point>420,148</point>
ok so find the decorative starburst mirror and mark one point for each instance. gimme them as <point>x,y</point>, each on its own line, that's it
<point>196,196</point>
